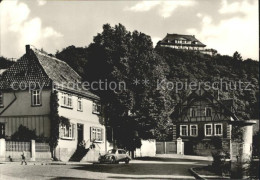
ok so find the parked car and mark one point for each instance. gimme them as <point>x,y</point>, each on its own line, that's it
<point>114,156</point>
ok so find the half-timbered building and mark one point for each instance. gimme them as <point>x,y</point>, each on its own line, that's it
<point>199,119</point>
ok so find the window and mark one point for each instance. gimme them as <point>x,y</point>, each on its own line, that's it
<point>1,99</point>
<point>66,100</point>
<point>68,132</point>
<point>96,134</point>
<point>2,130</point>
<point>121,152</point>
<point>218,129</point>
<point>96,108</point>
<point>36,98</point>
<point>193,130</point>
<point>192,112</point>
<point>208,129</point>
<point>208,111</point>
<point>80,107</point>
<point>184,130</point>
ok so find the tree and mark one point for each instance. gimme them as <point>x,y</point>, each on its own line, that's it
<point>5,63</point>
<point>237,56</point>
<point>121,56</point>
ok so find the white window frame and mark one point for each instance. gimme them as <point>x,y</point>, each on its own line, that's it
<point>205,130</point>
<point>1,99</point>
<point>187,131</point>
<point>191,109</point>
<point>96,134</point>
<point>34,94</point>
<point>206,111</point>
<point>96,107</point>
<point>196,130</point>
<point>68,133</point>
<point>79,104</point>
<point>66,100</point>
<point>215,129</point>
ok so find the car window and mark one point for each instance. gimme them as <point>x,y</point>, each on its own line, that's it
<point>112,151</point>
<point>120,152</point>
<point>123,152</point>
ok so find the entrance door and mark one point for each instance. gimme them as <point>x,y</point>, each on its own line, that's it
<point>80,132</point>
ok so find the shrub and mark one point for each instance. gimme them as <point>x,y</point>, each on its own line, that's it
<point>220,164</point>
<point>24,134</point>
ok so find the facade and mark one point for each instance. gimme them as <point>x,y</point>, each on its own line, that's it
<point>31,108</point>
<point>184,42</point>
<point>199,119</point>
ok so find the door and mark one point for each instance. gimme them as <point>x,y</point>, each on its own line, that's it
<point>80,128</point>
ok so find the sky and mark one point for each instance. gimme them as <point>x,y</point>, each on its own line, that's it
<point>224,25</point>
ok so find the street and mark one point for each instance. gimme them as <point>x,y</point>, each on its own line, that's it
<point>151,168</point>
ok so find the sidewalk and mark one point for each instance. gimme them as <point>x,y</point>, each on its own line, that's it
<point>45,163</point>
<point>179,156</point>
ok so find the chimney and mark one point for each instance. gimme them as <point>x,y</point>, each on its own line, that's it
<point>27,49</point>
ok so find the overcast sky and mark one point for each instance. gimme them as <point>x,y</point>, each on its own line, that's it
<point>226,26</point>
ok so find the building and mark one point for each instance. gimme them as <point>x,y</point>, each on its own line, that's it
<point>199,119</point>
<point>45,74</point>
<point>184,42</point>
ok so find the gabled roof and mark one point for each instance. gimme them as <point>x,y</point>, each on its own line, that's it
<point>170,39</point>
<point>39,67</point>
<point>227,105</point>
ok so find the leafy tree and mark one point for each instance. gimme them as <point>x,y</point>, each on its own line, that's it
<point>5,63</point>
<point>237,56</point>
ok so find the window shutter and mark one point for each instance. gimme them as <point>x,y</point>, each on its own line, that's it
<point>73,131</point>
<point>91,134</point>
<point>61,131</point>
<point>102,134</point>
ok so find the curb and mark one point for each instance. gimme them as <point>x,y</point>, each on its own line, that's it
<point>196,175</point>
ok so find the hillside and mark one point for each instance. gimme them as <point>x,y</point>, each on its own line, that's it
<point>191,66</point>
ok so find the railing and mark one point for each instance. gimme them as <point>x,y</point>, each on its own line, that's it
<point>18,146</point>
<point>42,147</point>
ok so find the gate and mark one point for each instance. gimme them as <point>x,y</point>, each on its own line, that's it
<point>169,147</point>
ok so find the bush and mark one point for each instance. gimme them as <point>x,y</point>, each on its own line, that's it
<point>24,134</point>
<point>220,164</point>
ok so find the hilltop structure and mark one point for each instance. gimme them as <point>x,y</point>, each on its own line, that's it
<point>184,42</point>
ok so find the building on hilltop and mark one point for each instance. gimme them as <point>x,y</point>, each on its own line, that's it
<point>184,42</point>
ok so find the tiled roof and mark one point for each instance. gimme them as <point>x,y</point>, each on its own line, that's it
<point>39,67</point>
<point>170,39</point>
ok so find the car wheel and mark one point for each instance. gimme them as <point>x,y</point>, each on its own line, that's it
<point>127,161</point>
<point>113,161</point>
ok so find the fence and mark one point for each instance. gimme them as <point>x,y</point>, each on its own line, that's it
<point>12,150</point>
<point>42,147</point>
<point>18,146</point>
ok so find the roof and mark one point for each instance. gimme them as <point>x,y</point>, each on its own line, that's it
<point>227,105</point>
<point>170,39</point>
<point>39,67</point>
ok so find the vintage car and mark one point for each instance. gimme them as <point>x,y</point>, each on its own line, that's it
<point>114,156</point>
